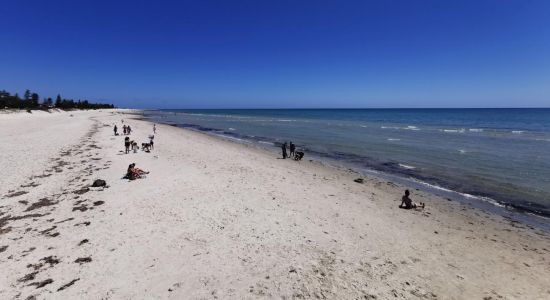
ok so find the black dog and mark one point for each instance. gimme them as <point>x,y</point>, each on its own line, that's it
<point>146,146</point>
<point>299,155</point>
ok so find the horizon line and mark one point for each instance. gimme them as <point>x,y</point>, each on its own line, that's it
<point>343,108</point>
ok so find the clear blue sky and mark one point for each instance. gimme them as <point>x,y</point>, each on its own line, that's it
<point>273,54</point>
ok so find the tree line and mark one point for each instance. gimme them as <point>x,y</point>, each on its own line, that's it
<point>31,100</point>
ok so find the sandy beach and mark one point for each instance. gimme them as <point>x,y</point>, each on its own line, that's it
<point>219,220</point>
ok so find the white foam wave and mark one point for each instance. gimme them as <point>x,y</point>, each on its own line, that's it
<point>231,138</point>
<point>465,195</point>
<point>517,131</point>
<point>232,129</point>
<point>486,199</point>
<point>538,216</point>
<point>394,139</point>
<point>462,130</point>
<point>267,143</point>
<point>406,166</point>
<point>434,186</point>
<point>220,116</point>
<point>475,130</point>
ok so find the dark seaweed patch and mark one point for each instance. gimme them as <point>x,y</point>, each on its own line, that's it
<point>15,194</point>
<point>82,191</point>
<point>82,260</point>
<point>81,208</point>
<point>41,203</point>
<point>42,283</point>
<point>68,284</point>
<point>28,277</point>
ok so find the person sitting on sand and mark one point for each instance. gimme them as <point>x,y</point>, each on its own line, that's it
<point>406,202</point>
<point>134,173</point>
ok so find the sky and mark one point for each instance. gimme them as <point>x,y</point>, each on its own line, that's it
<point>280,54</point>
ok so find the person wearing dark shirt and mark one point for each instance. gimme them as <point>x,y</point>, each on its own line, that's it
<point>127,144</point>
<point>407,203</point>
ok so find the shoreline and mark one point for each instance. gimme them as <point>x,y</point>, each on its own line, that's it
<point>507,209</point>
<point>214,219</point>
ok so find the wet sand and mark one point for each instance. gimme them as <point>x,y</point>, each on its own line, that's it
<point>217,219</point>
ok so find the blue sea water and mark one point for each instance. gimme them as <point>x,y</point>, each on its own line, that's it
<point>497,155</point>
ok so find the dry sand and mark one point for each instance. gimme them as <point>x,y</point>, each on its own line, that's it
<point>216,219</point>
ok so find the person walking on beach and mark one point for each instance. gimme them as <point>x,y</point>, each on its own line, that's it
<point>128,129</point>
<point>124,129</point>
<point>283,147</point>
<point>151,143</point>
<point>292,149</point>
<point>116,130</point>
<point>154,128</point>
<point>127,144</point>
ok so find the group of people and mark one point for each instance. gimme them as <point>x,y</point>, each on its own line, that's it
<point>293,154</point>
<point>131,145</point>
<point>132,172</point>
<point>126,129</point>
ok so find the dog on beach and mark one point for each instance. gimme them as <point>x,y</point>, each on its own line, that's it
<point>299,155</point>
<point>147,146</point>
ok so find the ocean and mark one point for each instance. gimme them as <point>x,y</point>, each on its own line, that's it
<point>497,157</point>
